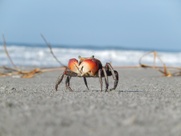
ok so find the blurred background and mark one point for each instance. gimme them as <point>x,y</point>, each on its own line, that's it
<point>116,31</point>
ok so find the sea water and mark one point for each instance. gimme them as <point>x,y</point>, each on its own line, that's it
<point>40,56</point>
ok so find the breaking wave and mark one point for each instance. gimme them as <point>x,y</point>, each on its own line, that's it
<point>41,56</point>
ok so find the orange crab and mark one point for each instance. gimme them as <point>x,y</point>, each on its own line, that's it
<point>88,67</point>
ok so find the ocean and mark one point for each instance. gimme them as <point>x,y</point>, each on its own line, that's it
<point>40,56</point>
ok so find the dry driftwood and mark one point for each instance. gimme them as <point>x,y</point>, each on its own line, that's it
<point>15,71</point>
<point>161,67</point>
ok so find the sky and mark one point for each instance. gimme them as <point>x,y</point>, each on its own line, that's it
<point>149,24</point>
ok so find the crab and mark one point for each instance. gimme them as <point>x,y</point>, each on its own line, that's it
<point>88,67</point>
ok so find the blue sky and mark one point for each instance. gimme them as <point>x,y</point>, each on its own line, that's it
<point>151,24</point>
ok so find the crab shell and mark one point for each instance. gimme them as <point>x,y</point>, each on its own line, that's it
<point>86,66</point>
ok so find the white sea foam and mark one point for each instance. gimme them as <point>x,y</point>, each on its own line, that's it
<point>41,56</point>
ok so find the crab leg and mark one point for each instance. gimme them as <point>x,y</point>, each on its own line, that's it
<point>85,81</point>
<point>59,80</point>
<point>100,77</point>
<point>106,78</point>
<point>111,69</point>
<point>115,81</point>
<point>67,83</point>
<point>114,75</point>
<point>72,74</point>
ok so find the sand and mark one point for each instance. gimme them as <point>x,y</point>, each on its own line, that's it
<point>144,104</point>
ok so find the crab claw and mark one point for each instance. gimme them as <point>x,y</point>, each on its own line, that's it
<point>73,65</point>
<point>90,66</point>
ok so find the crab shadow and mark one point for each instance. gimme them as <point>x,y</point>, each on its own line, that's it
<point>129,91</point>
<point>113,91</point>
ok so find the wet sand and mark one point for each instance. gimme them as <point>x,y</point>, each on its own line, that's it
<point>144,104</point>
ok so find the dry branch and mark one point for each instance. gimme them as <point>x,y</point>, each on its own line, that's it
<point>51,51</point>
<point>163,69</point>
<point>6,51</point>
<point>9,71</point>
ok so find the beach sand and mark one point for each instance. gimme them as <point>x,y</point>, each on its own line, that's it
<point>145,103</point>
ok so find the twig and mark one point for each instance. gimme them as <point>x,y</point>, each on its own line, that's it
<point>165,70</point>
<point>6,51</point>
<point>51,51</point>
<point>10,69</point>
